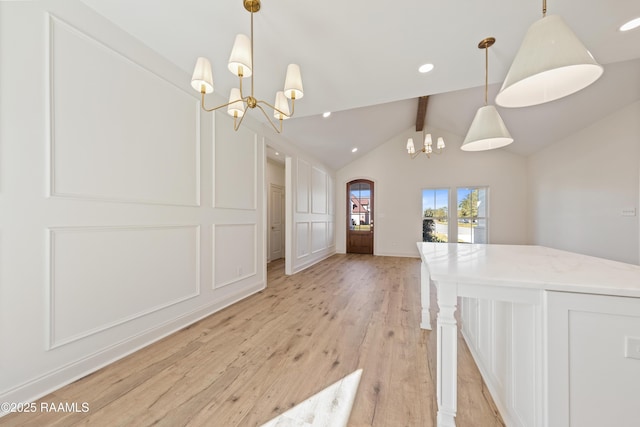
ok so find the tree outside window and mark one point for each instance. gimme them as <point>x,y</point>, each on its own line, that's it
<point>435,215</point>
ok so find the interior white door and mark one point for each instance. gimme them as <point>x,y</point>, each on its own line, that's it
<point>276,222</point>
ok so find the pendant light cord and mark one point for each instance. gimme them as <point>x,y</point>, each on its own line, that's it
<point>252,64</point>
<point>544,8</point>
<point>486,74</point>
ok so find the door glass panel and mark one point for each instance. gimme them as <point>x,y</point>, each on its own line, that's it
<point>360,206</point>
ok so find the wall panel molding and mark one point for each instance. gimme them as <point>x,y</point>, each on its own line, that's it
<point>235,253</point>
<point>319,196</point>
<point>303,230</point>
<point>235,180</point>
<point>102,146</point>
<point>318,236</point>
<point>302,186</point>
<point>102,277</point>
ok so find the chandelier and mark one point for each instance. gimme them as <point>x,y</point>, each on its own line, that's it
<point>427,146</point>
<point>241,65</point>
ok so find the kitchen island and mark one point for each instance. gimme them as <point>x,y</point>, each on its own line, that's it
<point>555,334</point>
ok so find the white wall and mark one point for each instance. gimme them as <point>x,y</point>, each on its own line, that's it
<point>580,186</point>
<point>275,173</point>
<point>311,219</point>
<point>399,180</point>
<point>125,212</point>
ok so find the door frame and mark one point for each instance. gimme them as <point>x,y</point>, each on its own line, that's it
<point>348,211</point>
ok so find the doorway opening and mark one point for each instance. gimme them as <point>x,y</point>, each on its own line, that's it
<point>360,217</point>
<point>276,210</point>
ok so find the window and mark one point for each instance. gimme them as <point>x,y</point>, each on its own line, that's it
<point>472,214</point>
<point>435,215</point>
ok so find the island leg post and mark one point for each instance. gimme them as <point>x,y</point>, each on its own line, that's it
<point>447,355</point>
<point>425,296</point>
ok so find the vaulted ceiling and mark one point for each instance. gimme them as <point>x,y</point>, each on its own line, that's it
<point>360,60</point>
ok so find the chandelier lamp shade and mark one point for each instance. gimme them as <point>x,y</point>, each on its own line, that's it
<point>550,64</point>
<point>427,147</point>
<point>487,130</point>
<point>241,65</point>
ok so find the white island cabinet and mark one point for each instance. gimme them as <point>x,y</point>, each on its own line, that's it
<point>556,335</point>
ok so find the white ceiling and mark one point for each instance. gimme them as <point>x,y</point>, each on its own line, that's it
<point>359,59</point>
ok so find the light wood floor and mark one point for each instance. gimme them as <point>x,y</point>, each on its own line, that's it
<point>252,361</point>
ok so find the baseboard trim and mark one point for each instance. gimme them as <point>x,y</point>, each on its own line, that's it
<point>310,263</point>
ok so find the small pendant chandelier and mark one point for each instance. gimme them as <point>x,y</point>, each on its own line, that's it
<point>427,146</point>
<point>241,65</point>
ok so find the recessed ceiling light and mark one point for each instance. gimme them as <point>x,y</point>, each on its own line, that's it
<point>277,154</point>
<point>326,114</point>
<point>425,68</point>
<point>353,150</point>
<point>634,23</point>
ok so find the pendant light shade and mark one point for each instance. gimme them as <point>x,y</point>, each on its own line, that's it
<point>551,63</point>
<point>236,106</point>
<point>283,105</point>
<point>411,149</point>
<point>293,82</point>
<point>240,59</point>
<point>487,131</point>
<point>202,79</point>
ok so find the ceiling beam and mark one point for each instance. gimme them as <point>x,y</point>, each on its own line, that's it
<point>422,112</point>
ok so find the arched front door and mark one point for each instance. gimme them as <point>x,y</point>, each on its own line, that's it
<point>360,217</point>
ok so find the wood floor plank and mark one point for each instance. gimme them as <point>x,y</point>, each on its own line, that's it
<point>257,358</point>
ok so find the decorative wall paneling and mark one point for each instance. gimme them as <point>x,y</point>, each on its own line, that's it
<point>135,121</point>
<point>506,345</point>
<point>235,253</point>
<point>125,212</point>
<point>101,277</point>
<point>303,181</point>
<point>236,167</point>
<point>319,193</point>
<point>314,213</point>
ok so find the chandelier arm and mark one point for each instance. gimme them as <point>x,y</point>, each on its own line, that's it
<point>269,119</point>
<point>236,127</point>
<point>275,109</point>
<point>293,104</point>
<point>208,110</point>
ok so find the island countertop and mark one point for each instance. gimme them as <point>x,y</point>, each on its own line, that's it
<point>535,267</point>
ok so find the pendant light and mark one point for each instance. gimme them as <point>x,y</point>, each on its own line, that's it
<point>487,131</point>
<point>550,64</point>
